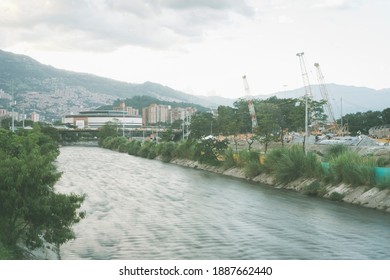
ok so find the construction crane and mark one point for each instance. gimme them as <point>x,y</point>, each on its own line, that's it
<point>305,76</point>
<point>324,92</point>
<point>249,99</point>
<point>308,92</point>
<point>335,128</point>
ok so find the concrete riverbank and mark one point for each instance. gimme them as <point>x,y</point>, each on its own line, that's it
<point>371,197</point>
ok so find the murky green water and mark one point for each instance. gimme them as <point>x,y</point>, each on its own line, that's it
<point>145,209</point>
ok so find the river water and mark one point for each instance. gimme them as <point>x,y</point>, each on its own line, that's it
<point>145,209</point>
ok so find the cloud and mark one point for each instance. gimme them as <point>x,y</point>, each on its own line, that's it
<point>337,4</point>
<point>239,7</point>
<point>285,19</point>
<point>104,25</point>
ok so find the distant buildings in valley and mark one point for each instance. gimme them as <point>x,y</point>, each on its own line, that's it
<point>4,113</point>
<point>97,118</point>
<point>164,114</point>
<point>129,117</point>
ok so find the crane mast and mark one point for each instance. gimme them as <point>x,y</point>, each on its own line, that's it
<point>250,103</point>
<point>338,130</point>
<point>324,92</point>
<point>305,76</point>
<point>308,92</point>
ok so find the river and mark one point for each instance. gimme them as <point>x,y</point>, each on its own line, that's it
<point>145,209</point>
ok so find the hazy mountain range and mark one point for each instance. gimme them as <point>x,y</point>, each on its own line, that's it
<point>344,99</point>
<point>53,92</point>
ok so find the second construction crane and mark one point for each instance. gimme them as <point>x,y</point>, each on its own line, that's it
<point>324,92</point>
<point>308,92</point>
<point>251,107</point>
<point>335,128</point>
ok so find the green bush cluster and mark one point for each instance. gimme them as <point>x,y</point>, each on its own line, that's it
<point>314,189</point>
<point>336,196</point>
<point>346,166</point>
<point>185,149</point>
<point>167,150</point>
<point>285,164</point>
<point>207,151</point>
<point>289,164</point>
<point>249,161</point>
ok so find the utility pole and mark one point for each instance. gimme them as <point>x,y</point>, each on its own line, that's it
<point>12,106</point>
<point>123,124</point>
<point>183,115</point>
<point>341,116</point>
<point>23,117</point>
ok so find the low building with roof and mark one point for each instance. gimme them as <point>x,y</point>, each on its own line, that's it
<point>97,118</point>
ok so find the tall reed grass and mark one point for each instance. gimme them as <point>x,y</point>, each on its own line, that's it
<point>351,168</point>
<point>289,164</point>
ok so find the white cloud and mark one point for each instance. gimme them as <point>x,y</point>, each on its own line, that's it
<point>337,4</point>
<point>205,45</point>
<point>285,19</point>
<point>111,24</point>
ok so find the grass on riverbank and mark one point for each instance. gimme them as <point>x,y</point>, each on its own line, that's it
<point>291,164</point>
<point>285,164</point>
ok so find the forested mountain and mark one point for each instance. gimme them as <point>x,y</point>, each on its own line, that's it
<point>142,101</point>
<point>54,92</point>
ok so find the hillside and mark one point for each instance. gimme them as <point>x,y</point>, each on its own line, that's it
<point>54,92</point>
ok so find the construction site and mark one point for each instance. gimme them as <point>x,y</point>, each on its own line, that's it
<point>318,136</point>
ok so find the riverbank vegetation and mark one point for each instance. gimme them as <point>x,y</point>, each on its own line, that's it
<point>285,164</point>
<point>32,213</point>
<point>214,139</point>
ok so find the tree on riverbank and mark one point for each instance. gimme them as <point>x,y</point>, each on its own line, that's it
<point>32,213</point>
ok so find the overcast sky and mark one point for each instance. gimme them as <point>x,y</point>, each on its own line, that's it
<point>203,47</point>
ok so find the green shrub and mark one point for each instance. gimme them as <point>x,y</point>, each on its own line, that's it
<point>293,163</point>
<point>210,150</point>
<point>106,143</point>
<point>152,153</point>
<point>252,169</point>
<point>185,149</point>
<point>229,160</point>
<point>114,143</point>
<point>134,147</point>
<point>334,151</point>
<point>336,196</point>
<point>351,168</point>
<point>273,159</point>
<point>124,147</point>
<point>247,156</point>
<point>383,162</point>
<point>147,150</point>
<point>167,150</point>
<point>314,189</point>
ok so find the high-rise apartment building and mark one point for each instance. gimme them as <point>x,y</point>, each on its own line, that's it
<point>154,114</point>
<point>130,110</point>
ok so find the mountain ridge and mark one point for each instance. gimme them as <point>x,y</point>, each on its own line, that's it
<point>344,99</point>
<point>56,92</point>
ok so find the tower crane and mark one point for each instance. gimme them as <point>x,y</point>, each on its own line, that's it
<point>324,92</point>
<point>305,76</point>
<point>249,99</point>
